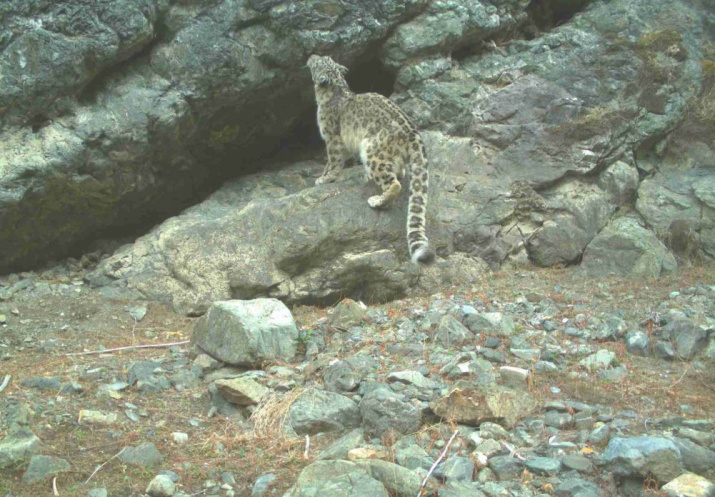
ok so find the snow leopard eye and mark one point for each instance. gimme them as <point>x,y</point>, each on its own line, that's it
<point>323,80</point>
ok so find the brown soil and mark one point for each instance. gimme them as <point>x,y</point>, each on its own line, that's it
<point>42,330</point>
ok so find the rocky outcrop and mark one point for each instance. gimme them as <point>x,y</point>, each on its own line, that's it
<point>114,114</point>
<point>543,124</point>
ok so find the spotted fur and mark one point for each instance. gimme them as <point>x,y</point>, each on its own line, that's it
<point>380,134</point>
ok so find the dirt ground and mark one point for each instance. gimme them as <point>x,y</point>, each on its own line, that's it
<point>44,327</point>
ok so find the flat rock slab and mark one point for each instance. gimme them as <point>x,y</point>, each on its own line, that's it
<point>640,456</point>
<point>145,455</point>
<point>42,467</point>
<point>247,332</point>
<point>242,391</point>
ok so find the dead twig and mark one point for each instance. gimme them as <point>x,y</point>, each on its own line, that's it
<point>103,464</point>
<point>55,492</point>
<point>130,347</point>
<point>436,463</point>
<point>5,382</point>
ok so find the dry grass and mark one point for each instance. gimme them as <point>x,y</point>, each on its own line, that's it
<point>271,415</point>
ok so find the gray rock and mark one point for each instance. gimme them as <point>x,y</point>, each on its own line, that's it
<point>144,455</point>
<point>17,446</point>
<point>689,485</point>
<point>383,410</point>
<point>399,481</point>
<point>560,420</point>
<point>513,377</point>
<point>493,431</point>
<point>161,486</point>
<point>288,264</point>
<point>340,448</point>
<point>472,406</point>
<point>638,343</point>
<point>451,333</point>
<point>347,314</point>
<point>138,312</point>
<point>490,322</point>
<point>621,181</point>
<point>506,468</point>
<point>347,374</point>
<point>578,463</point>
<point>260,486</point>
<point>316,411</point>
<point>412,378</point>
<point>546,367</point>
<point>242,391</point>
<point>689,339</point>
<point>563,238</point>
<point>461,489</point>
<point>600,435</point>
<point>576,487</point>
<point>148,377</point>
<point>640,456</point>
<point>456,469</point>
<point>600,360</point>
<point>664,350</point>
<point>696,458</point>
<point>640,253</point>
<point>413,457</point>
<point>671,202</point>
<point>544,466</point>
<point>42,467</point>
<point>336,478</point>
<point>247,333</point>
<point>613,374</point>
<point>51,383</point>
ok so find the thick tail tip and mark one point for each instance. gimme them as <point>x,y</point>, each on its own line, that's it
<point>423,254</point>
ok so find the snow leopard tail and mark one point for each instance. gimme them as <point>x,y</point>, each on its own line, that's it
<point>420,250</point>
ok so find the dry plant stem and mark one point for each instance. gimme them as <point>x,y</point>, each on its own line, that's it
<point>130,347</point>
<point>5,382</point>
<point>55,492</point>
<point>436,463</point>
<point>307,447</point>
<point>103,464</point>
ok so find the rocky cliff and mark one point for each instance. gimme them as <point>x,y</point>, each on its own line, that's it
<point>558,132</point>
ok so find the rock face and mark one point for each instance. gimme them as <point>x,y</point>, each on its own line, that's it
<point>540,128</point>
<point>116,112</point>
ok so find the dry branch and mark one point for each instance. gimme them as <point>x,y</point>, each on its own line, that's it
<point>130,347</point>
<point>436,463</point>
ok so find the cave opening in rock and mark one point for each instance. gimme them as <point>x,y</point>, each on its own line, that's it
<point>369,74</point>
<point>544,15</point>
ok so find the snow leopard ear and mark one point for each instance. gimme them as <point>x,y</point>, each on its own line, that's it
<point>343,70</point>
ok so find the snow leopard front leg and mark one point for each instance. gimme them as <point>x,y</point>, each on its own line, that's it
<point>336,159</point>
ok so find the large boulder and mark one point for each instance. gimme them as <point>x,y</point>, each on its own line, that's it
<point>247,333</point>
<point>316,411</point>
<point>626,248</point>
<point>643,456</point>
